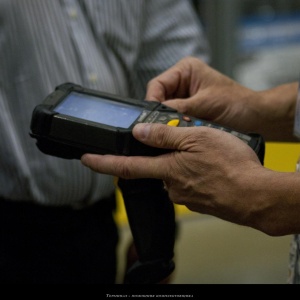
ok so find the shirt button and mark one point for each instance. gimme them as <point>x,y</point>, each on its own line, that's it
<point>93,77</point>
<point>73,13</point>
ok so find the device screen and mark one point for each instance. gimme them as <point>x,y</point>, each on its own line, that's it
<point>100,110</point>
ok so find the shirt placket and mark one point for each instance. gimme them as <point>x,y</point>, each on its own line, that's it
<point>81,38</point>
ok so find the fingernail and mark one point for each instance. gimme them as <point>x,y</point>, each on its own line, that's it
<point>83,159</point>
<point>141,131</point>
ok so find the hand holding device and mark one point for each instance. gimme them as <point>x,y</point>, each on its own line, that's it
<point>73,121</point>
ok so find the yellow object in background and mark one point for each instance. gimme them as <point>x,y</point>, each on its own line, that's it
<point>282,156</point>
<point>278,157</point>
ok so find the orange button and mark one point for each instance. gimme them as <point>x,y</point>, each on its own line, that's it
<point>186,118</point>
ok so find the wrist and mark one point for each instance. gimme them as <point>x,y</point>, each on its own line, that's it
<point>277,110</point>
<point>275,204</point>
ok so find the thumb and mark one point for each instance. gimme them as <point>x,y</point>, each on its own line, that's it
<point>158,135</point>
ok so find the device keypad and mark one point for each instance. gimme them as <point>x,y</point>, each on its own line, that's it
<point>173,119</point>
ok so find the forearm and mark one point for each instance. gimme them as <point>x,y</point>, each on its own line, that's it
<point>278,112</point>
<point>276,203</point>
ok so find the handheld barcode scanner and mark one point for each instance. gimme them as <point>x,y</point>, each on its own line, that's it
<point>74,120</point>
<point>151,219</point>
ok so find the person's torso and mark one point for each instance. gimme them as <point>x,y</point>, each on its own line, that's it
<point>114,46</point>
<point>43,44</point>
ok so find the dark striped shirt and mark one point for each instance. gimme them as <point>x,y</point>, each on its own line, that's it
<point>111,45</point>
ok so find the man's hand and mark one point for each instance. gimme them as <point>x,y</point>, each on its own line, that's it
<point>208,171</point>
<point>194,88</point>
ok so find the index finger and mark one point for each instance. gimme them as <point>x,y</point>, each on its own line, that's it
<point>163,86</point>
<point>128,167</point>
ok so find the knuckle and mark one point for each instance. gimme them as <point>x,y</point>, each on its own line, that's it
<point>161,135</point>
<point>182,107</point>
<point>124,170</point>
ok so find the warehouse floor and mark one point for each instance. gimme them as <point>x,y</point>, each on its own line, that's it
<point>211,251</point>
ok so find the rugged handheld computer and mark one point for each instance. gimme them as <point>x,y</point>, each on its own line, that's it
<point>74,120</point>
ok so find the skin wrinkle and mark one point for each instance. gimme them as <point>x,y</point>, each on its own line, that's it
<point>186,73</point>
<point>260,215</point>
<point>173,90</point>
<point>189,146</point>
<point>124,169</point>
<point>189,188</point>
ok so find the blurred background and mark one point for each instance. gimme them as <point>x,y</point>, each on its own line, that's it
<point>256,42</point>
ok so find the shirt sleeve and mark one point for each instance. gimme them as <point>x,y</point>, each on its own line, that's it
<point>172,30</point>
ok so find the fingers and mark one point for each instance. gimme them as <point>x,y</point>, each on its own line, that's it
<point>162,87</point>
<point>173,83</point>
<point>160,135</point>
<point>155,135</point>
<point>156,91</point>
<point>192,106</point>
<point>126,167</point>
